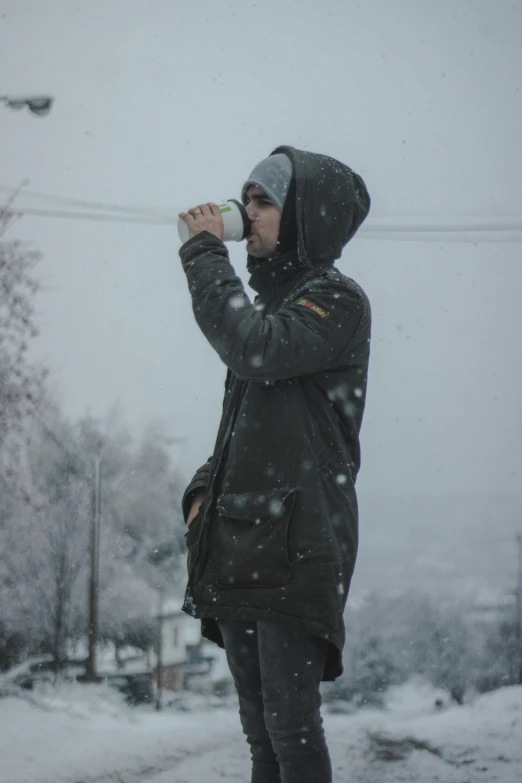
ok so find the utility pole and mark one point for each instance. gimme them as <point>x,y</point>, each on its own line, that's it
<point>159,670</point>
<point>518,620</point>
<point>90,674</point>
<point>157,556</point>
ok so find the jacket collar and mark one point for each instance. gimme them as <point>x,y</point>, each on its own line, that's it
<point>269,275</point>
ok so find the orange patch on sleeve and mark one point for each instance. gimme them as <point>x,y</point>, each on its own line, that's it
<point>314,307</point>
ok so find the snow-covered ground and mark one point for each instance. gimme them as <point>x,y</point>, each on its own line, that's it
<point>82,734</point>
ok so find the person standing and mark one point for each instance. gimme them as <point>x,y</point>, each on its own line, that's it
<point>272,515</point>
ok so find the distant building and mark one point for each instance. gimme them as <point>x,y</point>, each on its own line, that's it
<point>180,634</point>
<point>188,661</point>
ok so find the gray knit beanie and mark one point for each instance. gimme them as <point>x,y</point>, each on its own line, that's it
<point>273,175</point>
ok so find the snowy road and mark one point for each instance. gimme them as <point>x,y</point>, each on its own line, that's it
<point>64,738</point>
<point>375,749</point>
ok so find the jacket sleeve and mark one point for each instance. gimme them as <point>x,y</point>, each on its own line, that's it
<point>198,485</point>
<point>305,336</point>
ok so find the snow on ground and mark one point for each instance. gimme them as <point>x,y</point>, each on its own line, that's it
<point>79,733</point>
<point>82,734</point>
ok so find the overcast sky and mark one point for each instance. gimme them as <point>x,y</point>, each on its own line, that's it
<point>161,102</point>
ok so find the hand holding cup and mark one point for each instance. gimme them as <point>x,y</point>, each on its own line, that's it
<point>205,217</point>
<point>234,225</point>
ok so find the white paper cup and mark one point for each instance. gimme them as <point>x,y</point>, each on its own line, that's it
<point>235,219</point>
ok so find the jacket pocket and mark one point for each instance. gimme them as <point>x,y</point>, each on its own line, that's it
<point>252,537</point>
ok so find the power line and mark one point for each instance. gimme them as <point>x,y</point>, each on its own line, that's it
<point>416,236</point>
<point>155,221</point>
<point>167,211</point>
<point>371,229</point>
<point>447,228</point>
<point>87,204</point>
<point>436,233</point>
<point>504,229</point>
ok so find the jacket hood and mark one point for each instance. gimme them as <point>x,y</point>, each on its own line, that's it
<point>331,203</point>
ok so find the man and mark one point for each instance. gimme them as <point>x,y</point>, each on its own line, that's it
<point>272,515</point>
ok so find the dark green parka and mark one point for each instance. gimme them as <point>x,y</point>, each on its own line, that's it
<point>276,536</point>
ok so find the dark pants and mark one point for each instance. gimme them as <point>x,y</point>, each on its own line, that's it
<point>277,670</point>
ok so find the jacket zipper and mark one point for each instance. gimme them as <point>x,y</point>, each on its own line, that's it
<point>214,472</point>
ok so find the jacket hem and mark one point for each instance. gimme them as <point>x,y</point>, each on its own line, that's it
<point>210,629</point>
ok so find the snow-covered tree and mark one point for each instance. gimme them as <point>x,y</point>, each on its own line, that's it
<point>45,540</point>
<point>20,382</point>
<point>144,530</point>
<point>46,491</point>
<point>392,638</point>
<point>46,536</point>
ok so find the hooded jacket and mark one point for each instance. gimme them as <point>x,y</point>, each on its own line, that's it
<point>276,535</point>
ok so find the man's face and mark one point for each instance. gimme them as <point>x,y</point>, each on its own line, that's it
<point>266,219</point>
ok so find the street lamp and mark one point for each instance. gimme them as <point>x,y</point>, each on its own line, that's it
<point>39,104</point>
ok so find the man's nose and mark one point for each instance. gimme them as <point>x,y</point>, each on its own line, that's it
<point>251,211</point>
